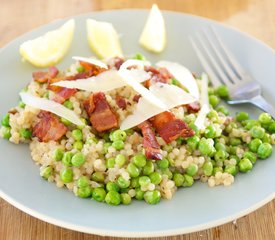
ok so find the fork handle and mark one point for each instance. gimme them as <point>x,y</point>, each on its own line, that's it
<point>260,102</point>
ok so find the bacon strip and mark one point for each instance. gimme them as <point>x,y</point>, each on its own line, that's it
<point>158,75</point>
<point>49,128</point>
<point>193,107</point>
<point>121,102</point>
<point>43,77</point>
<point>150,144</point>
<point>170,128</point>
<point>101,114</point>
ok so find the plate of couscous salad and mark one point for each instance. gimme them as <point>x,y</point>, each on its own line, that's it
<point>117,135</point>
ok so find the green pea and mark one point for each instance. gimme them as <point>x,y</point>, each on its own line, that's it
<point>78,145</point>
<point>211,91</point>
<point>271,127</point>
<point>113,198</point>
<point>122,182</point>
<point>46,172</point>
<point>210,132</point>
<point>178,179</point>
<point>134,182</point>
<point>217,169</point>
<point>251,123</point>
<point>21,104</point>
<point>207,168</point>
<point>133,170</point>
<point>6,132</point>
<point>251,156</point>
<point>257,132</point>
<point>148,168</point>
<point>163,163</point>
<point>214,100</point>
<point>77,134</point>
<point>99,194</point>
<point>106,146</point>
<point>230,127</point>
<point>265,118</point>
<point>245,165</point>
<point>98,177</point>
<point>254,145</point>
<point>267,138</point>
<point>125,198</point>
<point>231,169</point>
<point>264,150</point>
<point>118,145</point>
<point>233,150</point>
<point>84,192</point>
<point>58,154</point>
<point>155,178</point>
<point>190,118</point>
<point>192,169</point>
<point>152,197</point>
<point>236,158</point>
<point>83,181</point>
<point>78,159</point>
<point>235,141</point>
<point>242,116</point>
<point>175,82</point>
<point>139,56</point>
<point>68,104</point>
<point>80,69</point>
<point>223,110</point>
<point>66,175</point>
<point>25,133</point>
<point>139,160</point>
<point>92,140</point>
<point>193,142</point>
<point>118,135</point>
<point>110,162</point>
<point>180,140</point>
<point>222,91</point>
<point>206,147</point>
<point>139,194</point>
<point>213,115</point>
<point>220,155</point>
<point>188,181</point>
<point>67,158</point>
<point>120,160</point>
<point>220,146</point>
<point>65,121</point>
<point>111,186</point>
<point>194,128</point>
<point>80,127</point>
<point>144,181</point>
<point>168,148</point>
<point>6,120</point>
<point>168,173</point>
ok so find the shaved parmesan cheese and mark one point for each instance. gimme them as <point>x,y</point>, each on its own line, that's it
<point>51,106</point>
<point>134,62</point>
<point>143,111</point>
<point>145,93</point>
<point>200,121</point>
<point>104,81</point>
<point>183,75</point>
<point>170,95</point>
<point>93,61</point>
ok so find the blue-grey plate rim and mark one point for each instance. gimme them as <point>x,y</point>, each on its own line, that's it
<point>105,229</point>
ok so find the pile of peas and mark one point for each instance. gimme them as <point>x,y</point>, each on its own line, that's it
<point>216,145</point>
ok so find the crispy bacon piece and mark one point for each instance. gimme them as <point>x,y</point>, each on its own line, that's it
<point>64,94</point>
<point>101,114</point>
<point>121,102</point>
<point>92,69</point>
<point>49,127</point>
<point>118,62</point>
<point>136,97</point>
<point>158,75</point>
<point>193,107</point>
<point>150,144</point>
<point>170,128</point>
<point>43,77</point>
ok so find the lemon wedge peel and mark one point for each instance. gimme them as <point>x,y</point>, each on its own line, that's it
<point>153,36</point>
<point>49,49</point>
<point>103,39</point>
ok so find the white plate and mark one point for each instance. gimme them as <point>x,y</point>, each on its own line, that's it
<point>191,209</point>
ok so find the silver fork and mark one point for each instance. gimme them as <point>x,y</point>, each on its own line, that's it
<point>222,68</point>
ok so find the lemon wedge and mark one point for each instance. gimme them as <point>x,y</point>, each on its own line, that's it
<point>103,39</point>
<point>49,49</point>
<point>153,36</point>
